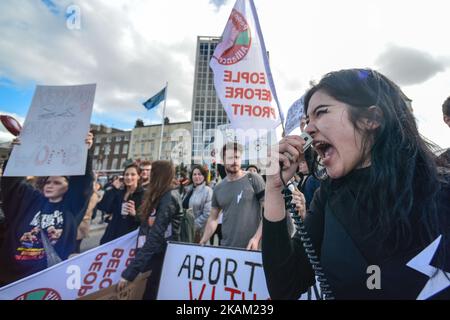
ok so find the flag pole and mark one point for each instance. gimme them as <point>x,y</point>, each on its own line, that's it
<point>163,116</point>
<point>266,63</point>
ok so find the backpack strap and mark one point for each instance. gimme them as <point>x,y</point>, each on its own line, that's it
<point>258,195</point>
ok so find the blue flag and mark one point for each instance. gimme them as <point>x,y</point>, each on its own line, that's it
<point>155,100</point>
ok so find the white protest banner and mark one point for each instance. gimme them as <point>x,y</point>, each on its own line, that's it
<point>294,115</point>
<point>89,272</point>
<point>54,133</point>
<point>242,76</point>
<point>193,272</point>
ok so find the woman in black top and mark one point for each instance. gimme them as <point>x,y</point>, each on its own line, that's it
<point>383,205</point>
<point>124,206</point>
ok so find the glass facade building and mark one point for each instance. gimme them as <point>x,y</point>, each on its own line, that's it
<point>207,111</point>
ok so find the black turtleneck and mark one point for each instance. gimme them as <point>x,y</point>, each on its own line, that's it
<point>341,231</point>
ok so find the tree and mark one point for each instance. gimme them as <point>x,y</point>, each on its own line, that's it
<point>181,169</point>
<point>166,120</point>
<point>139,123</point>
<point>127,162</point>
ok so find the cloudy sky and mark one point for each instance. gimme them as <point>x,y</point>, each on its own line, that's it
<point>130,48</point>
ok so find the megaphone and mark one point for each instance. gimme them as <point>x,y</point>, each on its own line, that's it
<point>11,124</point>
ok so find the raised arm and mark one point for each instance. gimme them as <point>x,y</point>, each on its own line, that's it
<point>286,267</point>
<point>81,187</point>
<point>15,191</point>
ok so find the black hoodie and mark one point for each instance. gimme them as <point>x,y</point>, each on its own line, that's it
<point>26,211</point>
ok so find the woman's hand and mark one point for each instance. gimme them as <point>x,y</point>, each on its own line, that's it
<point>288,152</point>
<point>253,244</point>
<point>123,283</point>
<point>16,142</point>
<point>300,203</point>
<point>89,140</point>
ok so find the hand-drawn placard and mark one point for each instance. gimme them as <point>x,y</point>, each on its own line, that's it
<point>295,114</point>
<point>54,133</point>
<point>193,272</point>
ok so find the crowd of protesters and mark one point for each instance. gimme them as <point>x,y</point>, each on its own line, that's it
<point>356,118</point>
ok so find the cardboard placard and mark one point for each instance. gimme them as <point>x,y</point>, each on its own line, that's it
<point>134,291</point>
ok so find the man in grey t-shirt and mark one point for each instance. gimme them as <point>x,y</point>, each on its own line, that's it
<point>240,197</point>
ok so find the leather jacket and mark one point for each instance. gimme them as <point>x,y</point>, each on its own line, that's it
<point>166,227</point>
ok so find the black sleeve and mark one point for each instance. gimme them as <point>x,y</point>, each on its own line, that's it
<point>138,198</point>
<point>80,191</point>
<point>14,191</point>
<point>286,266</point>
<point>187,198</point>
<point>107,201</point>
<point>258,185</point>
<point>155,242</point>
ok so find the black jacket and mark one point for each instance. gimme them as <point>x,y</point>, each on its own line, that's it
<point>21,204</point>
<point>165,228</point>
<point>108,197</point>
<point>341,240</point>
<point>121,225</point>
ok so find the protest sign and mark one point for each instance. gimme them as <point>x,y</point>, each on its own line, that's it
<point>242,76</point>
<point>193,272</point>
<point>133,291</point>
<point>53,135</point>
<point>78,276</point>
<point>294,115</point>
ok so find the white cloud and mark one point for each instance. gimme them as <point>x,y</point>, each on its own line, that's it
<point>127,51</point>
<point>130,48</point>
<point>409,66</point>
<point>218,3</point>
<point>5,136</point>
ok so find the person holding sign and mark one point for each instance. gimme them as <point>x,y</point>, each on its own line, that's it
<point>160,222</point>
<point>42,225</point>
<point>379,225</point>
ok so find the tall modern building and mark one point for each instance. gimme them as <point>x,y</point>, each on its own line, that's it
<point>207,111</point>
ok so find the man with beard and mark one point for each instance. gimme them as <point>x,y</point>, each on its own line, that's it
<point>146,169</point>
<point>240,197</point>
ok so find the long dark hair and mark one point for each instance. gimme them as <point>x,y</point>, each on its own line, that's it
<point>161,181</point>
<point>138,170</point>
<point>403,183</point>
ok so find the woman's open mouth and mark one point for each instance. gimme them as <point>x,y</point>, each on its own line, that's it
<point>325,150</point>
